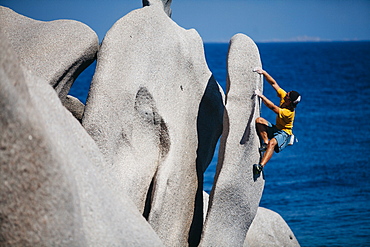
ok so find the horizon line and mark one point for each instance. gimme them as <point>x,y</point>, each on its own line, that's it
<point>303,38</point>
<point>297,41</point>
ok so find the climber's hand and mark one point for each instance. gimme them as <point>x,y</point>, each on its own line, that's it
<point>259,70</point>
<point>257,92</point>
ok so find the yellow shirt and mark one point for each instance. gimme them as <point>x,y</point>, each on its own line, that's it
<point>285,118</point>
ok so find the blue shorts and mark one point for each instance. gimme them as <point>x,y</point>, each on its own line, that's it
<point>281,137</point>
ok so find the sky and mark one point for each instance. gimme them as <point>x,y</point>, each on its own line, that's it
<point>220,20</point>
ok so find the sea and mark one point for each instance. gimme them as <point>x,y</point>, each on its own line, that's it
<point>321,184</point>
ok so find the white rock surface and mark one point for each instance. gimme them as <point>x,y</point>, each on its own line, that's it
<point>142,111</point>
<point>53,190</point>
<point>57,51</point>
<point>75,106</point>
<point>269,229</point>
<point>237,192</point>
<point>205,204</point>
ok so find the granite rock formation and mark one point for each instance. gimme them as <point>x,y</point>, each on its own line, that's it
<point>75,106</point>
<point>51,185</point>
<point>269,229</point>
<point>57,51</point>
<point>237,191</point>
<point>132,173</point>
<point>142,111</point>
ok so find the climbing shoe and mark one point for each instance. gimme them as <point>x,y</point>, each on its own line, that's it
<point>258,168</point>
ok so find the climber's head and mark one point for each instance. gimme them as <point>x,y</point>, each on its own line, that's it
<point>293,97</point>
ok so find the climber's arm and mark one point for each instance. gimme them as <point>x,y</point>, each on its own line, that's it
<point>267,102</point>
<point>268,78</point>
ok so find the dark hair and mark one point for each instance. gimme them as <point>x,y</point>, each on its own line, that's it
<point>295,98</point>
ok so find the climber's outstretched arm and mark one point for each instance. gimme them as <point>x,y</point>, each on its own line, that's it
<point>268,78</point>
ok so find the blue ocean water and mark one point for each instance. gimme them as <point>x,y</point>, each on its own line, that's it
<point>321,184</point>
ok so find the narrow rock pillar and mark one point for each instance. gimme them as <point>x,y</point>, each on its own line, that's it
<point>237,192</point>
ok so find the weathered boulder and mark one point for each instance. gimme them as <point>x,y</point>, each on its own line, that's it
<point>269,229</point>
<point>142,111</point>
<point>205,204</point>
<point>57,51</point>
<point>166,5</point>
<point>53,190</point>
<point>236,193</point>
<point>75,106</point>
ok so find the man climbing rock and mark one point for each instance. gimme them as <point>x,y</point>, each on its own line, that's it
<point>275,137</point>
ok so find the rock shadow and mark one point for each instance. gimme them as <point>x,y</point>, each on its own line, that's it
<point>209,129</point>
<point>248,128</point>
<point>146,108</point>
